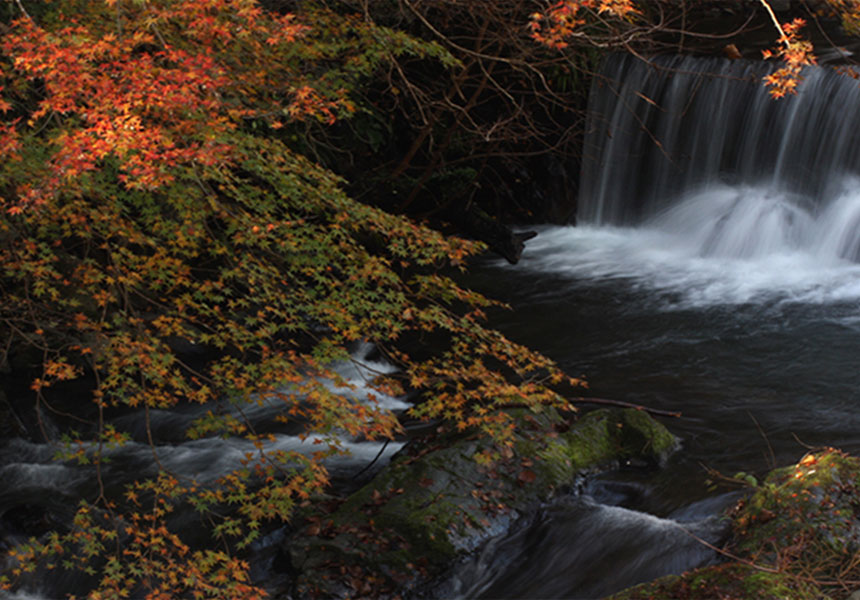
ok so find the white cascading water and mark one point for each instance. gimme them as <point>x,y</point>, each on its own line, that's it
<point>659,131</point>
<point>696,181</point>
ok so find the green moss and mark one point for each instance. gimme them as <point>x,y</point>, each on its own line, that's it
<point>555,464</point>
<point>779,585</point>
<point>425,531</point>
<point>810,505</point>
<point>397,502</point>
<point>605,436</point>
<point>641,434</point>
<point>803,517</point>
<point>592,440</point>
<point>731,581</point>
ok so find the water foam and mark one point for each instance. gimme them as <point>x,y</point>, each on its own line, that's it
<point>726,245</point>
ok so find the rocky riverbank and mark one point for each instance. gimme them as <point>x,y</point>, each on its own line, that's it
<point>435,502</point>
<point>796,534</point>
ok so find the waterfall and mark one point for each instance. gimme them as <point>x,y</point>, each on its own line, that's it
<point>697,145</point>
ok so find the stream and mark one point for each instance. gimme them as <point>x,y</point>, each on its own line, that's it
<point>39,493</point>
<point>716,274</point>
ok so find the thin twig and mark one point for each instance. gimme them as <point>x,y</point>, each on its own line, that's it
<point>371,463</point>
<point>622,403</point>
<point>766,441</point>
<point>24,11</point>
<point>776,23</point>
<point>728,554</point>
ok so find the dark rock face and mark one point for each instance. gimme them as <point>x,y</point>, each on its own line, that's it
<point>26,521</point>
<point>499,237</point>
<point>434,503</point>
<point>10,423</point>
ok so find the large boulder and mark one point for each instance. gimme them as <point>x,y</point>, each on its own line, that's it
<point>436,501</point>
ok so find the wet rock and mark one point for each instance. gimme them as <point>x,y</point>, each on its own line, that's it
<point>499,237</point>
<point>28,521</point>
<point>436,502</point>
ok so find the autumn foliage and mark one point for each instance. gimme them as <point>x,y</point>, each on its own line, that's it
<point>563,20</point>
<point>568,21</point>
<point>795,53</point>
<point>152,192</point>
<point>157,192</point>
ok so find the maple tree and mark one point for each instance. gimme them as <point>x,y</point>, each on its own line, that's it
<point>152,190</point>
<point>155,186</point>
<point>564,20</point>
<point>794,51</point>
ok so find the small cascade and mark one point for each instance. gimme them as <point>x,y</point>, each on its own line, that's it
<point>581,547</point>
<point>740,222</point>
<point>840,224</point>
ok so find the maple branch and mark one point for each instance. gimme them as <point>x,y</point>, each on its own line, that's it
<point>118,20</point>
<point>448,40</point>
<point>776,23</point>
<point>728,554</point>
<point>712,36</point>
<point>24,10</point>
<point>101,497</point>
<point>151,439</point>
<point>605,402</point>
<point>371,463</point>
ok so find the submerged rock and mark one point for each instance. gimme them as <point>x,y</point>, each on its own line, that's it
<point>433,503</point>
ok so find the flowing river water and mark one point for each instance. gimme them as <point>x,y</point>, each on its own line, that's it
<point>715,271</point>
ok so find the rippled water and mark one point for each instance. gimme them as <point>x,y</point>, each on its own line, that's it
<point>649,318</point>
<point>757,349</point>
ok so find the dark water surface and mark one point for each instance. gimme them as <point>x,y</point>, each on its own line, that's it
<point>760,355</point>
<point>778,357</point>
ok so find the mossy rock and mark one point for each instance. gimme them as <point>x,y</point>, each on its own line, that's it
<point>806,517</point>
<point>605,436</point>
<point>728,582</point>
<point>433,503</point>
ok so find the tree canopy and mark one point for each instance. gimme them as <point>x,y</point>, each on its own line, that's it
<point>152,192</point>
